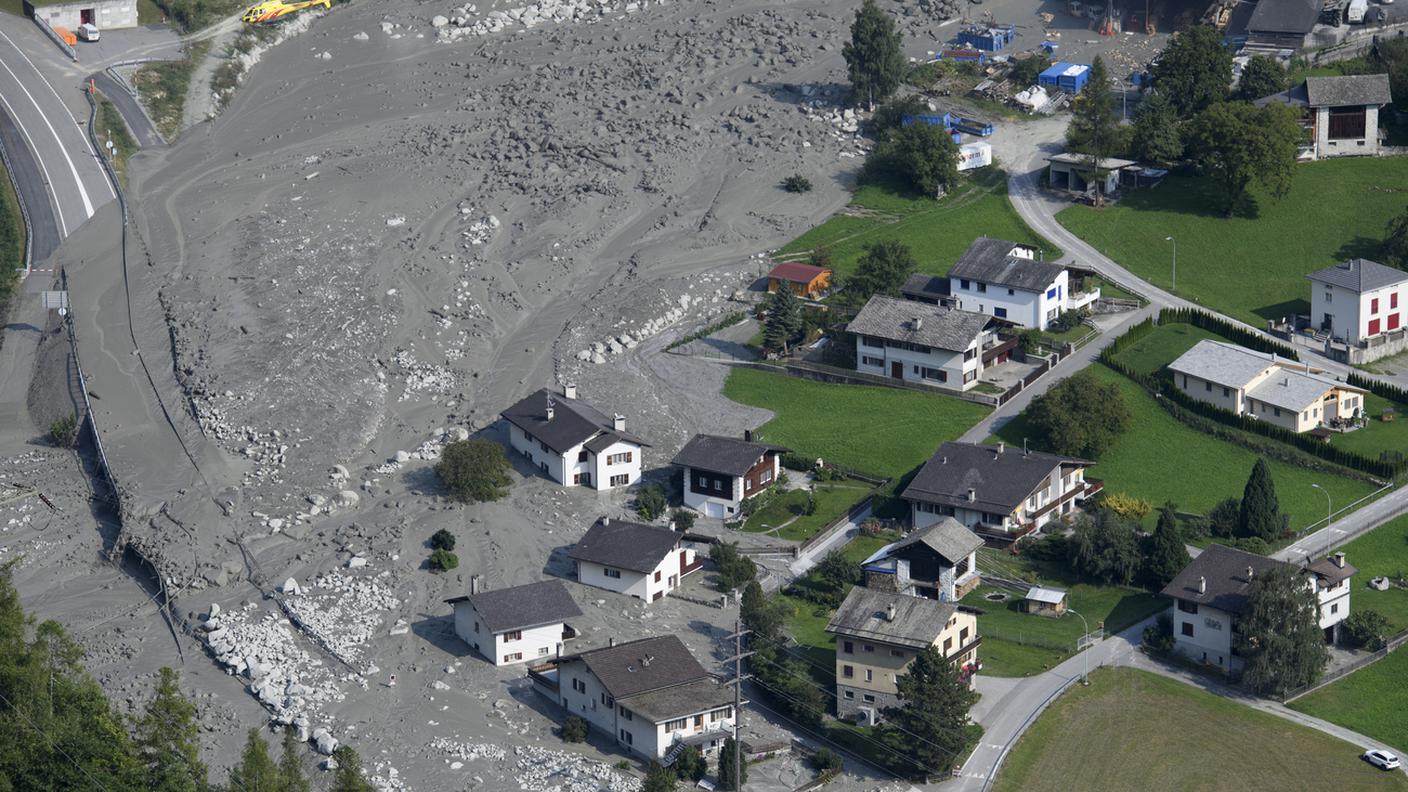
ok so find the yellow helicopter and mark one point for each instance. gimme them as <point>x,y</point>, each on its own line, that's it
<point>274,10</point>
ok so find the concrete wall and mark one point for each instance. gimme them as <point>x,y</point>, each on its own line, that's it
<point>546,460</point>
<point>106,14</point>
<point>635,584</point>
<point>726,503</point>
<point>885,663</point>
<point>1217,395</point>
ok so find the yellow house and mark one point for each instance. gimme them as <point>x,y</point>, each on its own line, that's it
<point>806,280</point>
<point>1264,386</point>
<point>878,634</point>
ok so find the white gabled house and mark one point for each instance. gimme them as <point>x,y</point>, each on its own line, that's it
<point>928,344</point>
<point>1004,280</point>
<point>1359,300</point>
<point>644,561</point>
<point>722,472</point>
<point>572,442</point>
<point>516,625</point>
<point>650,695</point>
<point>1210,595</point>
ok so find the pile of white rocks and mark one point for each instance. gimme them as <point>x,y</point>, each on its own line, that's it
<point>461,22</point>
<point>428,451</point>
<point>679,307</point>
<point>341,612</point>
<point>290,683</point>
<point>540,769</point>
<point>423,377</point>
<point>479,231</point>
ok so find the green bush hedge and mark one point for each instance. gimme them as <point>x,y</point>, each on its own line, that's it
<point>1228,330</point>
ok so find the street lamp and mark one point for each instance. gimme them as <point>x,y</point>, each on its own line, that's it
<point>1329,511</point>
<point>1175,262</point>
<point>1085,676</point>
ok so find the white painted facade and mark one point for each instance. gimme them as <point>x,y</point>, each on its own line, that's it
<point>106,14</point>
<point>534,644</point>
<point>616,466</point>
<point>666,577</point>
<point>582,694</point>
<point>1352,317</point>
<point>1032,309</point>
<point>940,368</point>
<point>725,504</point>
<point>1060,484</point>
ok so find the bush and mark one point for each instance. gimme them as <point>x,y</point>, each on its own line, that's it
<point>443,561</point>
<point>1158,637</point>
<point>651,502</point>
<point>474,470</point>
<point>1079,416</point>
<point>691,765</point>
<point>683,519</point>
<point>797,183</point>
<point>442,540</point>
<point>1367,628</point>
<point>820,256</point>
<point>734,570</point>
<point>64,432</point>
<point>1126,506</point>
<point>574,729</point>
<point>826,759</point>
<point>660,779</point>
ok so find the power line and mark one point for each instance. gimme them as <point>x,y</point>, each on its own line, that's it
<point>51,742</point>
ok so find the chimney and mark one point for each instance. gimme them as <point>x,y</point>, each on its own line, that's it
<point>972,495</point>
<point>944,460</point>
<point>605,520</point>
<point>618,422</point>
<point>890,612</point>
<point>747,435</point>
<point>1202,585</point>
<point>916,323</point>
<point>1001,447</point>
<point>1338,559</point>
<point>646,661</point>
<point>473,584</point>
<point>569,391</point>
<point>611,641</point>
<point>1250,573</point>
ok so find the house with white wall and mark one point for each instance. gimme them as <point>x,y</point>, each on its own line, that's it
<point>1340,112</point>
<point>644,561</point>
<point>573,442</point>
<point>1211,594</point>
<point>1005,280</point>
<point>1264,386</point>
<point>651,696</point>
<point>927,344</point>
<point>722,472</point>
<point>999,493</point>
<point>519,624</point>
<point>1358,300</point>
<point>938,561</point>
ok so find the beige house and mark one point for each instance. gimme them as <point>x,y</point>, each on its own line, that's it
<point>879,633</point>
<point>1264,386</point>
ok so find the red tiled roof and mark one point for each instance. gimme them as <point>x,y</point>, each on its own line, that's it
<point>797,272</point>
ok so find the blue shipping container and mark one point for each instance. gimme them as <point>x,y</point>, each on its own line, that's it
<point>1068,77</point>
<point>944,120</point>
<point>988,39</point>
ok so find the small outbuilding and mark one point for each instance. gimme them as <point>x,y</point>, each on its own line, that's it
<point>1044,601</point>
<point>805,280</point>
<point>1075,173</point>
<point>105,14</point>
<point>1065,77</point>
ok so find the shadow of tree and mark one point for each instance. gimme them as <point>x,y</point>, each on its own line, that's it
<point>1360,247</point>
<point>1283,310</point>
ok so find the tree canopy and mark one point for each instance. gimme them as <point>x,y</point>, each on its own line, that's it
<point>1104,548</point>
<point>921,156</point>
<point>929,723</point>
<point>1262,76</point>
<point>1260,514</point>
<point>882,270</point>
<point>1095,130</point>
<point>256,772</point>
<point>474,470</point>
<point>782,320</point>
<point>1238,144</point>
<point>1079,416</point>
<point>1194,71</point>
<point>1157,135</point>
<point>1166,555</point>
<point>169,739</point>
<point>1280,640</point>
<point>874,58</point>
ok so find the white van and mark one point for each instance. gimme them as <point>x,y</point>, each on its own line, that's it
<point>88,31</point>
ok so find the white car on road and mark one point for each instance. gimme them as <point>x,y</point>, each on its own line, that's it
<point>1381,759</point>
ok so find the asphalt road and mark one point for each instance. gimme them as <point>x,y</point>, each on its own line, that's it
<point>29,175</point>
<point>68,164</point>
<point>131,111</point>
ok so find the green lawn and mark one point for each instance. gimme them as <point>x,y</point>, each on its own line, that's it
<point>880,431</point>
<point>936,231</point>
<point>863,547</point>
<point>15,7</point>
<point>110,126</point>
<point>1250,268</point>
<point>1372,701</point>
<point>1383,552</point>
<point>832,500</point>
<point>162,88</point>
<point>1160,459</point>
<point>1133,730</point>
<point>1163,346</point>
<point>1378,435</point>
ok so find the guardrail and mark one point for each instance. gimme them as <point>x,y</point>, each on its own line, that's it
<point>54,37</point>
<point>24,210</point>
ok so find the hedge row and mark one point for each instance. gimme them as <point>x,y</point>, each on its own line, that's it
<point>1228,330</point>
<point>1378,387</point>
<point>1164,387</point>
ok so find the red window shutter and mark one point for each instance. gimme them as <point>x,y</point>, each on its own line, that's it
<point>1393,321</point>
<point>1374,306</point>
<point>1393,300</point>
<point>1373,327</point>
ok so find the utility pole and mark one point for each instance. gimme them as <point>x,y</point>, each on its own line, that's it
<point>738,702</point>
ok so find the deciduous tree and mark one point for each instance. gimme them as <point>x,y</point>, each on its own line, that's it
<point>1080,416</point>
<point>882,270</point>
<point>920,156</point>
<point>1280,639</point>
<point>874,57</point>
<point>1104,548</point>
<point>1194,71</point>
<point>1262,76</point>
<point>474,470</point>
<point>1237,144</point>
<point>933,712</point>
<point>660,779</point>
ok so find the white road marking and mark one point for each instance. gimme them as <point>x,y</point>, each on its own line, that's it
<point>86,142</point>
<point>82,191</point>
<point>59,210</point>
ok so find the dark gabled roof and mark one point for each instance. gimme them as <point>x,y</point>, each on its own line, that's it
<point>938,327</point>
<point>636,667</point>
<point>1359,275</point>
<point>923,285</point>
<point>1284,16</point>
<point>679,701</point>
<point>797,272</point>
<point>917,623</point>
<point>1000,478</point>
<point>991,261</point>
<point>573,421</point>
<point>1329,573</point>
<point>1294,96</point>
<point>1224,572</point>
<point>948,538</point>
<point>727,455</point>
<point>1348,90</point>
<point>522,607</point>
<point>624,544</point>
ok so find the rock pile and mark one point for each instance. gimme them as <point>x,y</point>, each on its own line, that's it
<point>539,769</point>
<point>342,612</point>
<point>461,23</point>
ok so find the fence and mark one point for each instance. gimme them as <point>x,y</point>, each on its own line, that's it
<point>1391,644</point>
<point>54,37</point>
<point>24,210</point>
<point>838,524</point>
